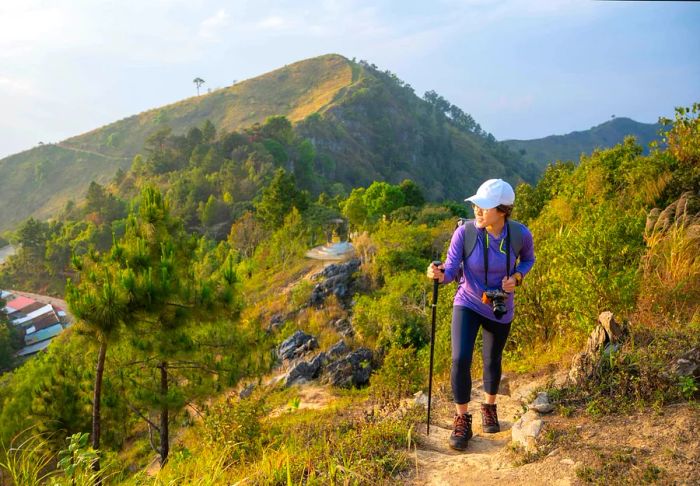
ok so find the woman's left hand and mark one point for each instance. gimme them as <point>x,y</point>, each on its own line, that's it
<point>508,284</point>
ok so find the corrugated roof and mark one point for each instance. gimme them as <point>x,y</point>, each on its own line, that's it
<point>39,312</point>
<point>20,302</point>
<point>43,335</point>
<point>44,321</point>
<point>34,348</point>
<point>31,308</point>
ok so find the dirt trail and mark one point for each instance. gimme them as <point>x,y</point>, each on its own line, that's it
<point>90,152</point>
<point>487,458</point>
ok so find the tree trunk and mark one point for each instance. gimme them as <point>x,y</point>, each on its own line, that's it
<point>96,417</point>
<point>164,446</point>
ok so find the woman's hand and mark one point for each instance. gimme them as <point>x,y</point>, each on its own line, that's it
<point>508,284</point>
<point>435,272</point>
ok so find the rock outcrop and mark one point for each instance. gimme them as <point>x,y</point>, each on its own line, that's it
<point>526,430</point>
<point>605,337</point>
<point>541,403</point>
<point>337,280</point>
<point>296,345</point>
<point>352,370</point>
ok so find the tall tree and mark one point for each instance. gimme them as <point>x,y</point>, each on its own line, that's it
<point>172,290</point>
<point>278,199</point>
<point>100,303</point>
<point>198,82</point>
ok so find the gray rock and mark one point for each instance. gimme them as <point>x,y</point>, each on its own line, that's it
<point>305,371</point>
<point>344,327</point>
<point>421,399</point>
<point>296,345</point>
<point>352,370</point>
<point>607,334</point>
<point>276,321</point>
<point>526,430</point>
<point>247,391</point>
<point>541,403</point>
<point>338,349</point>
<point>613,330</point>
<point>337,280</point>
<point>688,364</point>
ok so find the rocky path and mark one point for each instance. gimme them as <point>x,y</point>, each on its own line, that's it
<point>487,460</point>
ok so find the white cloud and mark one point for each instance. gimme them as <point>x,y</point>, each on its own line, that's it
<point>274,22</point>
<point>212,26</point>
<point>13,86</point>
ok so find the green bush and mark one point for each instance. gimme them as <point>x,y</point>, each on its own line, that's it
<point>396,317</point>
<point>401,374</point>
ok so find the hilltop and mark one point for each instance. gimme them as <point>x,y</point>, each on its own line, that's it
<point>365,124</point>
<point>542,151</point>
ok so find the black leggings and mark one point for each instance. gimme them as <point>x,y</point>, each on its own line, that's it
<point>465,326</point>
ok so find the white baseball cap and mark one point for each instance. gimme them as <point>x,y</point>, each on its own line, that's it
<point>492,193</point>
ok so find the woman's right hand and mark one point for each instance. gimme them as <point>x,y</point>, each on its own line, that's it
<point>436,272</point>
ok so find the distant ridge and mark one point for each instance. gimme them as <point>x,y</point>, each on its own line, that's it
<point>542,151</point>
<point>365,124</point>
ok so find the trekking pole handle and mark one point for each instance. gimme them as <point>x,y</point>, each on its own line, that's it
<point>436,282</point>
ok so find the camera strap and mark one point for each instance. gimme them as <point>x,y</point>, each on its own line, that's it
<point>486,254</point>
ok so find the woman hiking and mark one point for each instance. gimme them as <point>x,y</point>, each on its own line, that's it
<point>494,255</point>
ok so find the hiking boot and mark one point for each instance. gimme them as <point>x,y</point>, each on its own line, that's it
<point>462,432</point>
<point>489,418</point>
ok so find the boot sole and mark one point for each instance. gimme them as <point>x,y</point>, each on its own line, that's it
<point>459,449</point>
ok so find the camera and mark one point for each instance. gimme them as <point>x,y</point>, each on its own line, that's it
<point>497,298</point>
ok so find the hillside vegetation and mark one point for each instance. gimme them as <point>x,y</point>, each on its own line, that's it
<point>190,322</point>
<point>364,125</point>
<point>569,147</point>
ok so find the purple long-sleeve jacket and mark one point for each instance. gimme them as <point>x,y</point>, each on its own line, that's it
<point>471,286</point>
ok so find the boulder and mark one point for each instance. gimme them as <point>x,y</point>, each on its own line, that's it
<point>526,430</point>
<point>605,336</point>
<point>541,403</point>
<point>421,399</point>
<point>247,391</point>
<point>688,364</point>
<point>296,345</point>
<point>352,370</point>
<point>276,321</point>
<point>305,370</point>
<point>337,280</point>
<point>344,327</point>
<point>338,349</point>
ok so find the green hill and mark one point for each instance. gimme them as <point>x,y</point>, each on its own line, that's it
<point>542,151</point>
<point>366,124</point>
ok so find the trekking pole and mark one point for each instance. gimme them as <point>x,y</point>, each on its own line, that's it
<point>436,282</point>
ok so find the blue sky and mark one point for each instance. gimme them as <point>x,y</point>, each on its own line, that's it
<point>521,68</point>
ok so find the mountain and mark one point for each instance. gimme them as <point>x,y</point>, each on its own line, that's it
<point>366,124</point>
<point>542,151</point>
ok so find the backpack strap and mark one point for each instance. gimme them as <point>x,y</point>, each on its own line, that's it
<point>470,234</point>
<point>515,232</point>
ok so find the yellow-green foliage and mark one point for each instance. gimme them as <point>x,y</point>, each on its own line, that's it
<point>396,315</point>
<point>401,374</point>
<point>671,273</point>
<point>589,244</point>
<point>335,445</point>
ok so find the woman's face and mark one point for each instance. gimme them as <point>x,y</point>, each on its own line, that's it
<point>487,217</point>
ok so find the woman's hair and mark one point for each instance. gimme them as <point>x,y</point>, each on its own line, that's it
<point>505,209</point>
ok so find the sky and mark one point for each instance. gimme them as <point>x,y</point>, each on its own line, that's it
<point>522,68</point>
